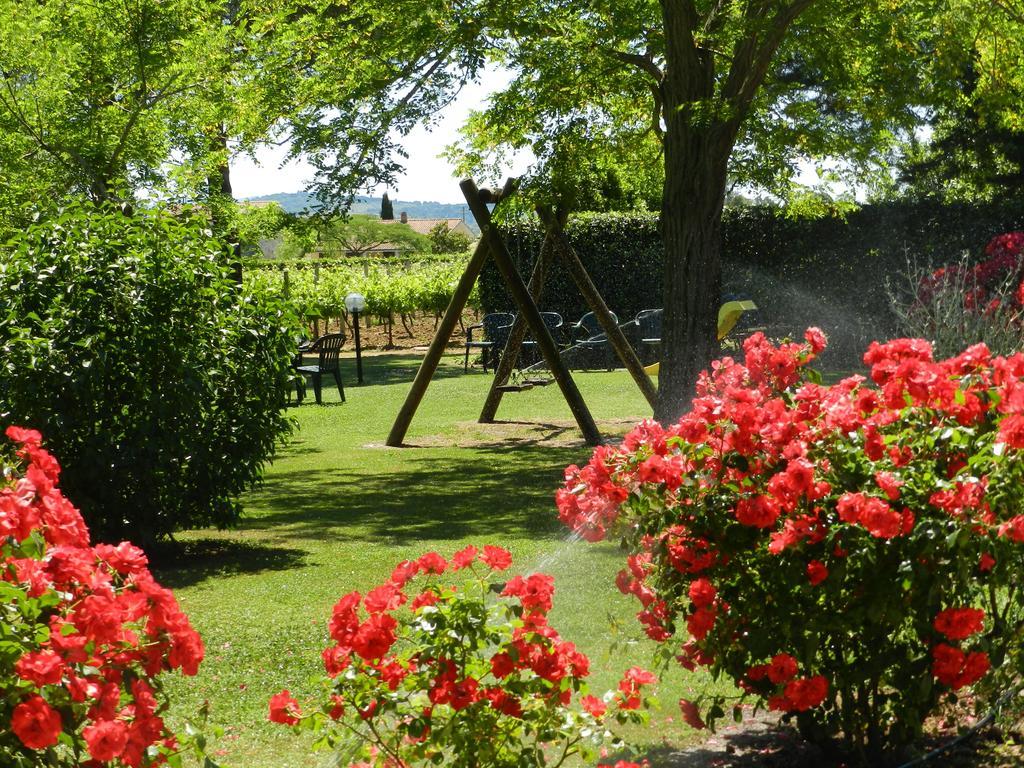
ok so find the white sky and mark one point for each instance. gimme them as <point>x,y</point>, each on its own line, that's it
<point>427,177</point>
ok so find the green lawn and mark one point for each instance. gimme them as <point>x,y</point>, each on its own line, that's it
<point>338,510</point>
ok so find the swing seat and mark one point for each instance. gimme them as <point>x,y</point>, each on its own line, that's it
<point>514,387</point>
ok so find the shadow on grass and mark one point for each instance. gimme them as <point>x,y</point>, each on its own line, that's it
<point>178,564</point>
<point>497,490</point>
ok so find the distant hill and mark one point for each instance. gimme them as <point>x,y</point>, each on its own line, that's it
<point>296,202</point>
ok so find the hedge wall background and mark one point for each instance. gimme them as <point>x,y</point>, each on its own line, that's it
<point>828,272</point>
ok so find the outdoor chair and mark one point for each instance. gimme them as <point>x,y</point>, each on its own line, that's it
<point>328,351</point>
<point>494,328</point>
<point>648,324</point>
<point>531,351</point>
<point>592,343</point>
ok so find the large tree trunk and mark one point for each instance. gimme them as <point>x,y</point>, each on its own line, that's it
<point>691,218</point>
<point>697,141</point>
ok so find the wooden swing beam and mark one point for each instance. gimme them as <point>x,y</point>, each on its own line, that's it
<point>555,240</point>
<point>580,276</point>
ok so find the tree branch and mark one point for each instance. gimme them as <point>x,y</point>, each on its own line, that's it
<point>752,59</point>
<point>1014,14</point>
<point>36,133</point>
<point>643,62</point>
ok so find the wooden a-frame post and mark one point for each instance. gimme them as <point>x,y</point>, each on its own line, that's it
<point>555,240</point>
<point>510,356</point>
<point>579,274</point>
<point>444,331</point>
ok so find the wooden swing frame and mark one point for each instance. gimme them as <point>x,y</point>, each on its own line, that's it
<point>528,318</point>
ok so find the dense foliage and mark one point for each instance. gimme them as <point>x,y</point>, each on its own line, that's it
<point>465,675</point>
<point>86,634</point>
<point>847,554</point>
<point>160,383</point>
<point>774,259</point>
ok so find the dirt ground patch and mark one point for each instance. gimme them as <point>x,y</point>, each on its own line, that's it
<point>417,330</point>
<point>762,741</point>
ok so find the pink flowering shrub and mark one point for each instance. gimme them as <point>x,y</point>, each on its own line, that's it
<point>85,633</point>
<point>969,301</point>
<point>847,554</point>
<point>422,672</point>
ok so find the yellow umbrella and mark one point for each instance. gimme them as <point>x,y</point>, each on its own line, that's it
<point>728,315</point>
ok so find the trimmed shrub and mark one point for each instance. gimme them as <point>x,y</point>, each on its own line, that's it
<point>160,383</point>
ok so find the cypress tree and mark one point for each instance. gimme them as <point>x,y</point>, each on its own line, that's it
<point>387,210</point>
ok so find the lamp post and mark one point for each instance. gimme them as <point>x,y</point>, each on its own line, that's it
<point>356,303</point>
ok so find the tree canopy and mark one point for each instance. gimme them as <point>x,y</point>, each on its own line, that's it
<point>625,103</point>
<point>101,95</point>
<point>718,92</point>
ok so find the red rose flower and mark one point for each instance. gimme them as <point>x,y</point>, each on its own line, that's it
<point>337,707</point>
<point>496,558</point>
<point>953,668</point>
<point>816,572</point>
<point>106,739</point>
<point>759,511</point>
<point>284,708</point>
<point>1013,529</point>
<point>432,563</point>
<point>502,665</point>
<point>386,597</point>
<point>41,667</point>
<point>959,623</point>
<point>534,592</point>
<point>36,723</point>
<point>404,571</point>
<point>630,684</point>
<point>782,668</point>
<point>702,593</point>
<point>375,636</point>
<point>806,693</point>
<point>816,339</point>
<point>463,558</point>
<point>593,706</point>
<point>1011,430</point>
<point>426,597</point>
<point>700,622</point>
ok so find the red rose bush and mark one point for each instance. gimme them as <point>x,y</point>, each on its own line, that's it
<point>86,631</point>
<point>423,672</point>
<point>849,555</point>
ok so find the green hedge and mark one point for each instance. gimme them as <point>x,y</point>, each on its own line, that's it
<point>829,272</point>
